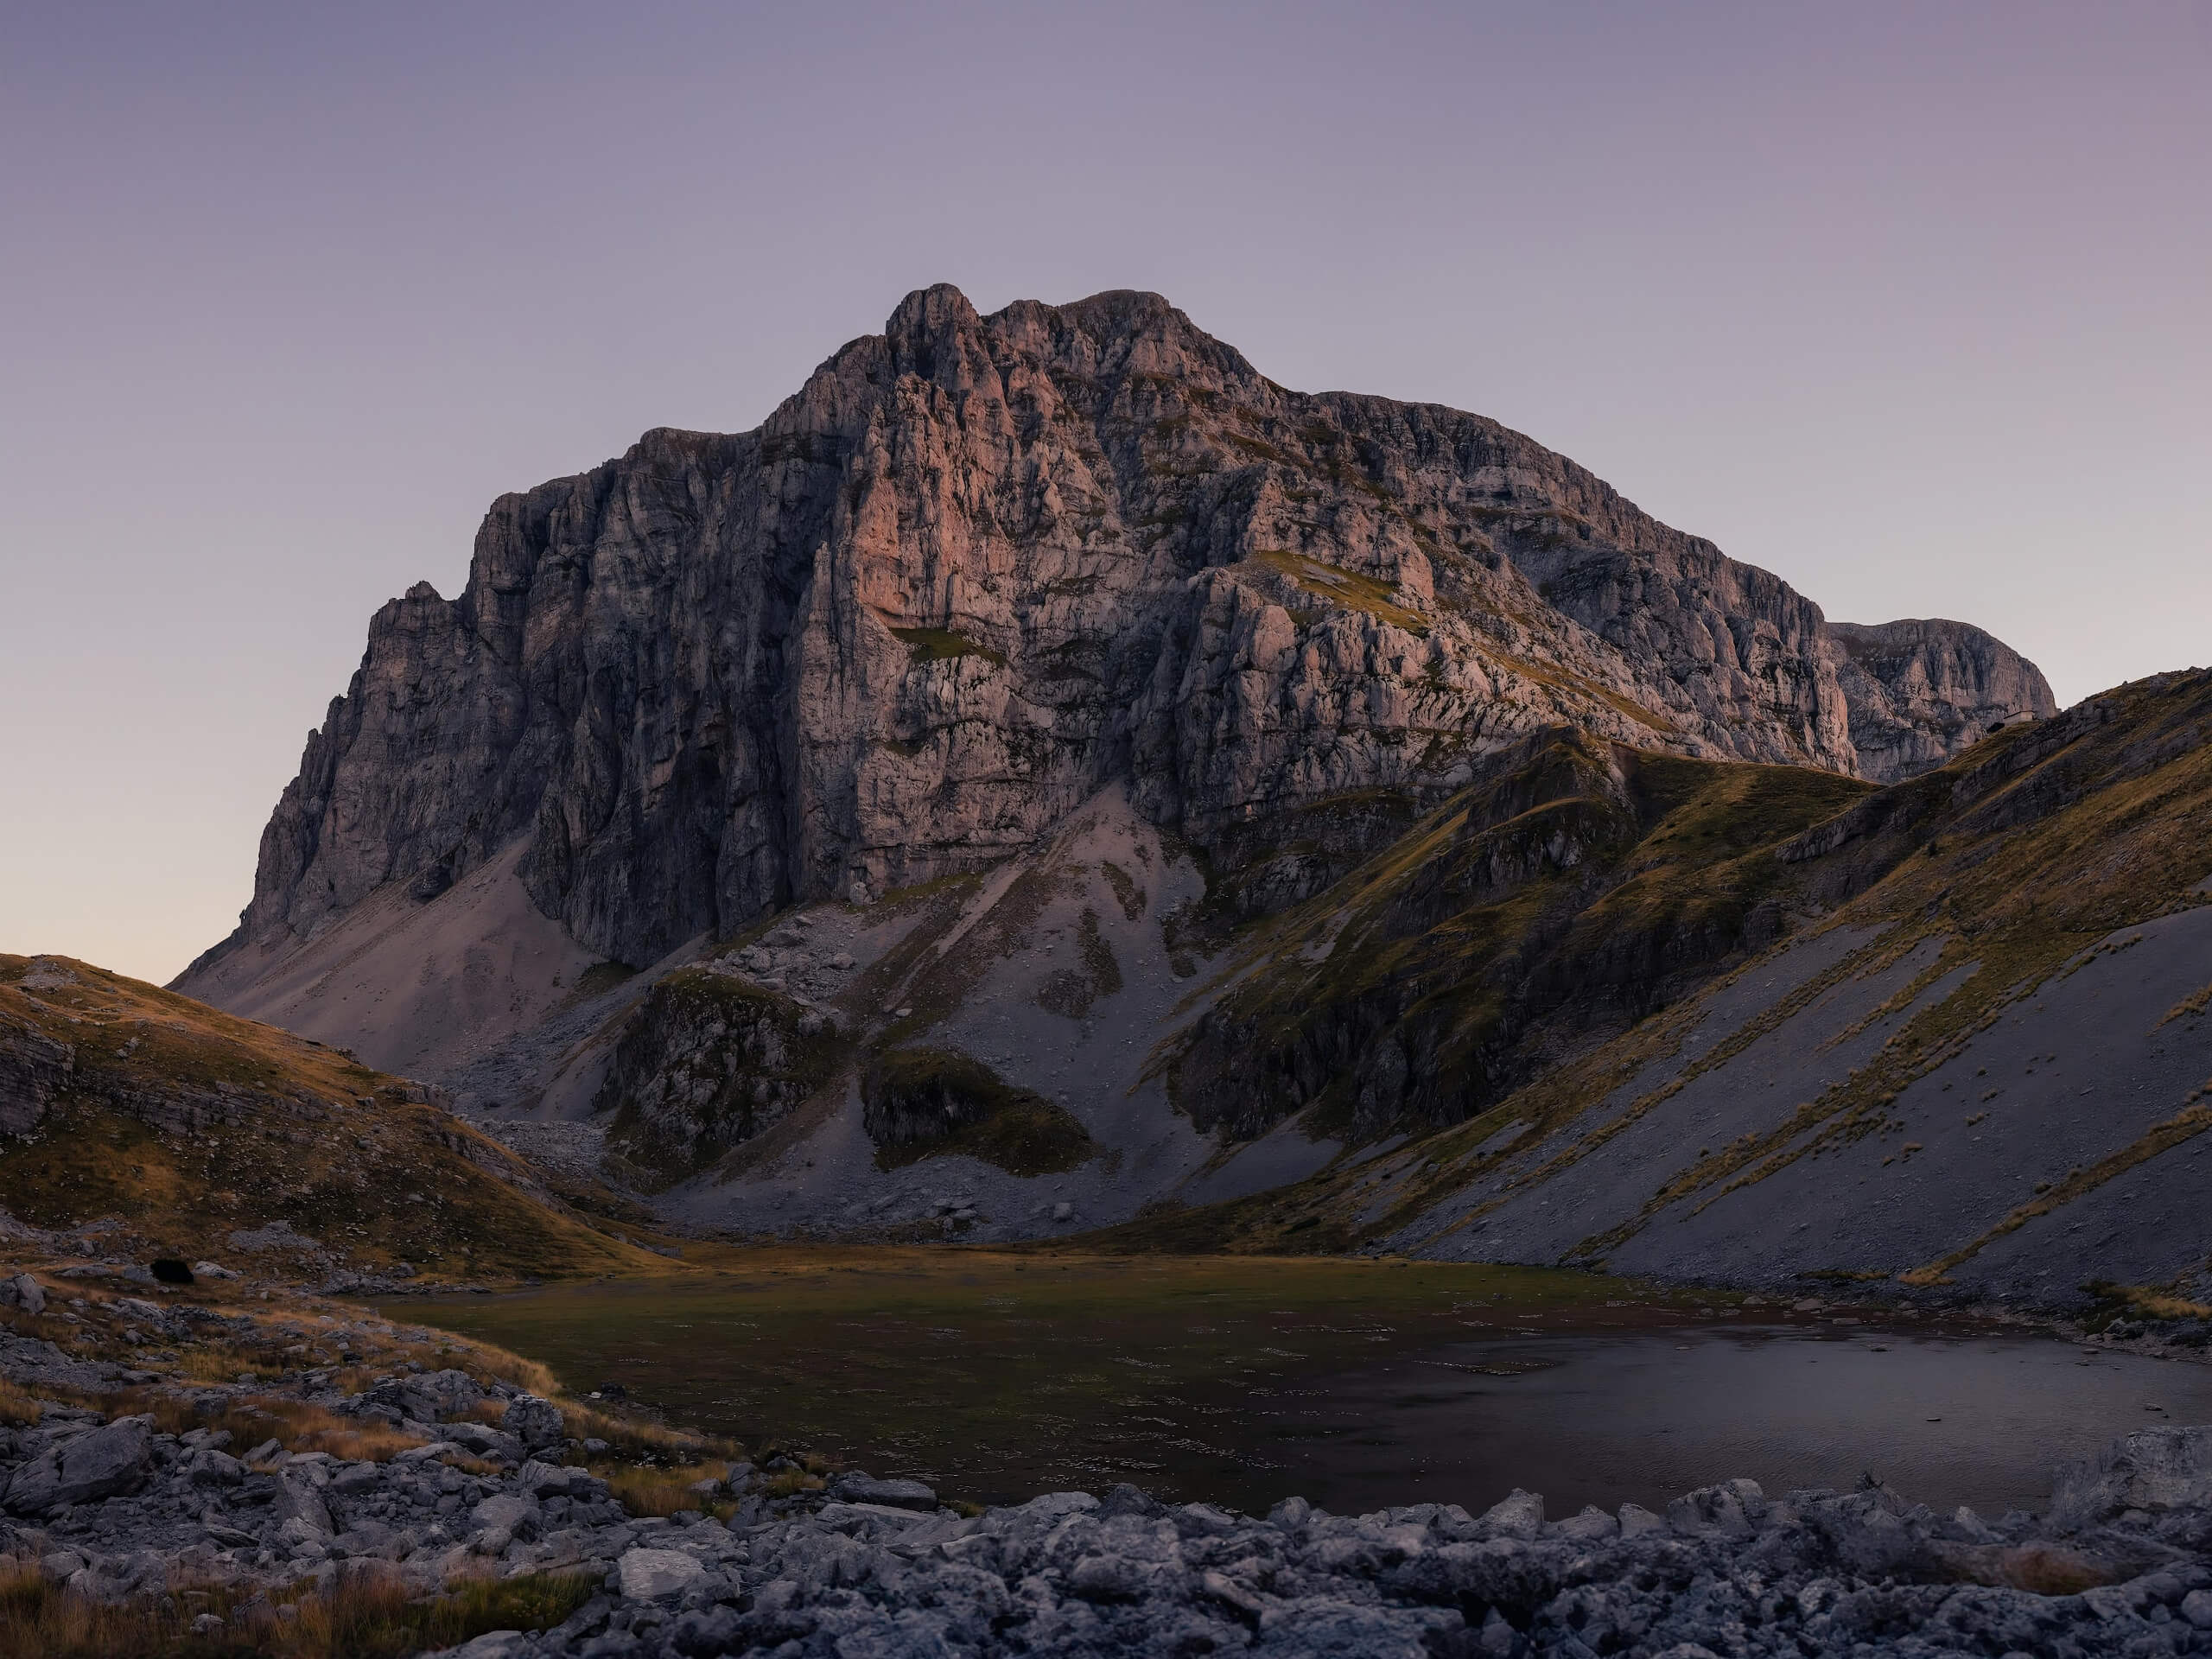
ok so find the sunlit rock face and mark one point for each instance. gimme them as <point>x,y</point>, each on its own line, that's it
<point>980,567</point>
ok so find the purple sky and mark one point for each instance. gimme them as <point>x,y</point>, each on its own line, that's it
<point>1907,303</point>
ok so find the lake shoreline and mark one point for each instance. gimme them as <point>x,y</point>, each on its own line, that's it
<point>1235,1381</point>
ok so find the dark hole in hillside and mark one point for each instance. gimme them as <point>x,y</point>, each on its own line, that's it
<point>170,1271</point>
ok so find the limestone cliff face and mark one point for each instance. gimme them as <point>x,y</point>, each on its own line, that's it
<point>979,567</point>
<point>1936,687</point>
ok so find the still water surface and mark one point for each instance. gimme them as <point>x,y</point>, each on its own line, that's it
<point>1241,1381</point>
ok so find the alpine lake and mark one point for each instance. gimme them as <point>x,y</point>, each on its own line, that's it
<point>1358,1384</point>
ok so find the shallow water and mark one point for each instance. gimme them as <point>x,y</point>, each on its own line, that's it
<point>1241,1381</point>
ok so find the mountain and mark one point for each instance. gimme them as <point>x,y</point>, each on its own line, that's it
<point>980,567</point>
<point>875,820</point>
<point>1981,1057</point>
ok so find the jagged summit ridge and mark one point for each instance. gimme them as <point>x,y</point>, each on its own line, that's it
<point>979,568</point>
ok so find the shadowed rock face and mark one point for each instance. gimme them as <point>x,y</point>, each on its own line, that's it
<point>979,568</point>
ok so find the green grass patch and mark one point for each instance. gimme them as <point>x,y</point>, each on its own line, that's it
<point>944,645</point>
<point>925,1102</point>
<point>1350,588</point>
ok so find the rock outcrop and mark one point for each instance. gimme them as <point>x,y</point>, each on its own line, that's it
<point>981,567</point>
<point>1937,687</point>
<point>706,1061</point>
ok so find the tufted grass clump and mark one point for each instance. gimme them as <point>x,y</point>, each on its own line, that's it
<point>664,1489</point>
<point>17,1409</point>
<point>359,1615</point>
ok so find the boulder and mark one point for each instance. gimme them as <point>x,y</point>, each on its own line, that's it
<point>557,1480</point>
<point>299,1499</point>
<point>2153,1470</point>
<point>647,1574</point>
<point>111,1462</point>
<point>493,1644</point>
<point>209,1467</point>
<point>535,1422</point>
<point>507,1512</point>
<point>892,1494</point>
<point>485,1441</point>
<point>1730,1509</point>
<point>1519,1516</point>
<point>24,1291</point>
<point>440,1395</point>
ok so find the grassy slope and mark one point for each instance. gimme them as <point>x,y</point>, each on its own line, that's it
<point>1571,892</point>
<point>187,1123</point>
<point>2019,855</point>
<point>922,1102</point>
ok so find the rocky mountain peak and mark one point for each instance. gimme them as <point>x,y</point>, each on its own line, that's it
<point>980,567</point>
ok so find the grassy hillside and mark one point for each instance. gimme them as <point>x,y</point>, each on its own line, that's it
<point>1979,890</point>
<point>1576,888</point>
<point>178,1126</point>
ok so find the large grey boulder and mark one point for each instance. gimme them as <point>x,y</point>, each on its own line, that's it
<point>535,1422</point>
<point>485,1441</point>
<point>440,1395</point>
<point>24,1291</point>
<point>858,1488</point>
<point>109,1462</point>
<point>299,1499</point>
<point>512,1513</point>
<point>557,1480</point>
<point>209,1467</point>
<point>2153,1470</point>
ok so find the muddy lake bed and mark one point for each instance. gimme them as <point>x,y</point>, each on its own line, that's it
<point>1240,1380</point>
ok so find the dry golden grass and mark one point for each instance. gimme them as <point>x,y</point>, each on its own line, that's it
<point>358,1616</point>
<point>648,1490</point>
<point>635,1439</point>
<point>17,1409</point>
<point>789,1483</point>
<point>2142,1302</point>
<point>253,1419</point>
<point>191,1123</point>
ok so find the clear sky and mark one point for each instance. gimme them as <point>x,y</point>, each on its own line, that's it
<point>1908,303</point>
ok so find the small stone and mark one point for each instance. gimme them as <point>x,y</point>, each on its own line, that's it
<point>2197,1608</point>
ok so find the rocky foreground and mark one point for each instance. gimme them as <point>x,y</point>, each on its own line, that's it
<point>1725,1572</point>
<point>774,1561</point>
